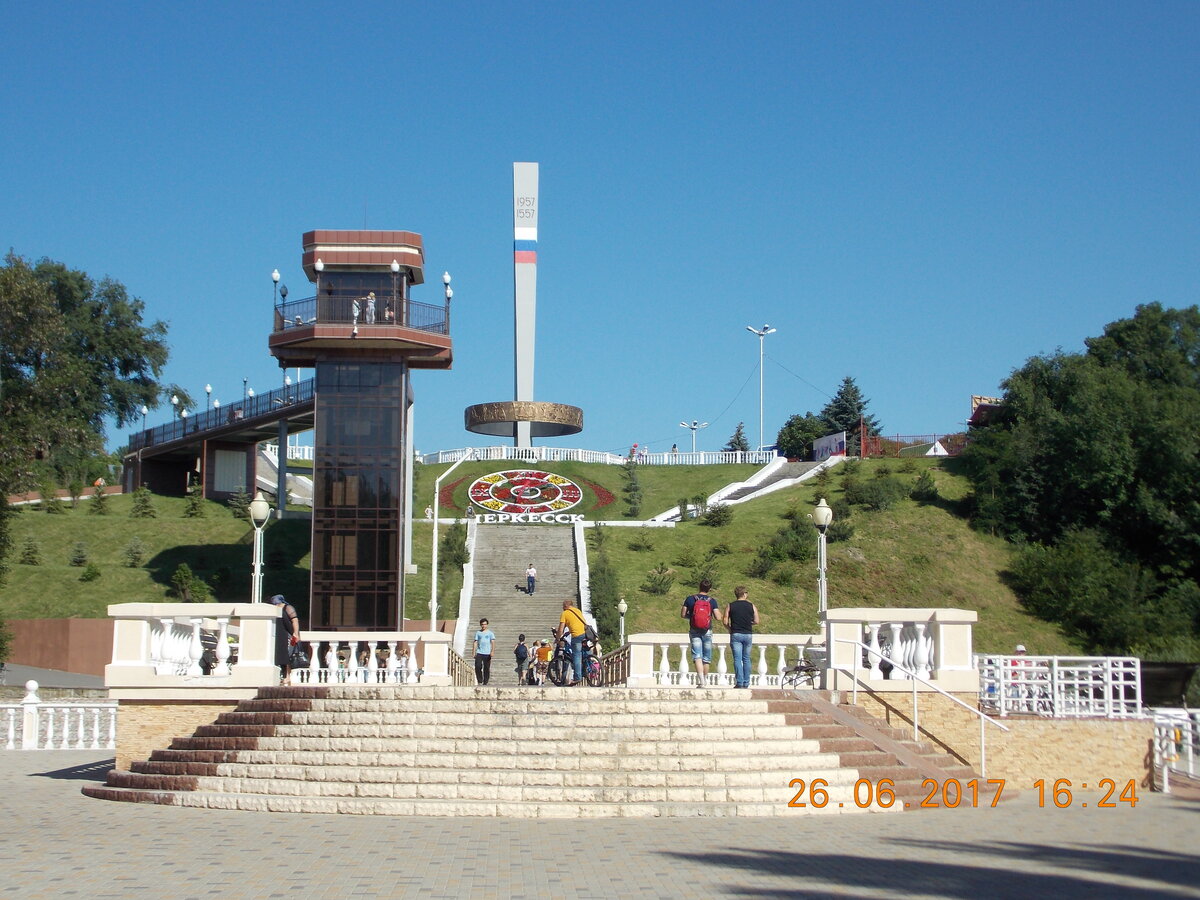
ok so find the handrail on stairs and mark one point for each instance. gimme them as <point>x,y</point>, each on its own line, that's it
<point>983,717</point>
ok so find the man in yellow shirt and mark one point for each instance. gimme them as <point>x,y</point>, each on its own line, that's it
<point>572,620</point>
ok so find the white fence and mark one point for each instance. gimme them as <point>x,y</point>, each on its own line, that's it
<point>665,660</point>
<point>371,657</point>
<point>562,454</point>
<point>1062,686</point>
<point>34,724</point>
<point>1176,744</point>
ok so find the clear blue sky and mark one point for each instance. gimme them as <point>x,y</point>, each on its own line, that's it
<point>918,195</point>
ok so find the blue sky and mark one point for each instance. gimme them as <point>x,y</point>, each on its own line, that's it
<point>918,195</point>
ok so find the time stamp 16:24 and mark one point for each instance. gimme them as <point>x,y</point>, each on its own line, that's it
<point>953,793</point>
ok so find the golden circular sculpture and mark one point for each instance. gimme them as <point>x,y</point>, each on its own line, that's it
<point>545,419</point>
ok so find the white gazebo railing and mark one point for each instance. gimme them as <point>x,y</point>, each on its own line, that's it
<point>665,660</point>
<point>564,454</point>
<point>34,724</point>
<point>1062,686</point>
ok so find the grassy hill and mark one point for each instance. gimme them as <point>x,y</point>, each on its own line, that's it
<point>921,555</point>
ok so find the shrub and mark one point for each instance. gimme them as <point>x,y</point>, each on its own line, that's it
<point>925,488</point>
<point>687,558</point>
<point>31,553</point>
<point>99,504</point>
<point>700,501</point>
<point>784,576</point>
<point>239,503</point>
<point>659,580</point>
<point>189,587</point>
<point>839,530</point>
<point>90,573</point>
<point>75,489</point>
<point>599,535</point>
<point>761,565</point>
<point>908,465</point>
<point>794,544</point>
<point>452,548</point>
<point>79,554</point>
<point>194,508</point>
<point>883,470</point>
<point>135,553</point>
<point>642,540</point>
<point>51,502</point>
<point>718,515</point>
<point>720,549</point>
<point>143,505</point>
<point>685,511</point>
<point>878,493</point>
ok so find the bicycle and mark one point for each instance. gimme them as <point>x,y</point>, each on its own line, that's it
<point>802,676</point>
<point>562,665</point>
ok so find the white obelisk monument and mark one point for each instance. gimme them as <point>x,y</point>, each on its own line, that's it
<point>525,228</point>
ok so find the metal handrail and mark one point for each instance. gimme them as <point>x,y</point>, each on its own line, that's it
<point>352,308</point>
<point>231,413</point>
<point>983,717</point>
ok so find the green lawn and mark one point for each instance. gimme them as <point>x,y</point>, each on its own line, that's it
<point>914,555</point>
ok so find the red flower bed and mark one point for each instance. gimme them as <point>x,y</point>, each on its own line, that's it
<point>446,495</point>
<point>603,496</point>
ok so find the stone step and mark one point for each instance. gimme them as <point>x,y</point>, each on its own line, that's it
<point>469,761</point>
<point>457,808</point>
<point>649,734</point>
<point>500,719</point>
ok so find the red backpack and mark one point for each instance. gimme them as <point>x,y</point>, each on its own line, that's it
<point>701,612</point>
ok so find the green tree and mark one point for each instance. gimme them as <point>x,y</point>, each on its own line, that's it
<point>143,504</point>
<point>99,504</point>
<point>845,411</point>
<point>79,554</point>
<point>194,506</point>
<point>31,552</point>
<point>738,440</point>
<point>135,552</point>
<point>795,438</point>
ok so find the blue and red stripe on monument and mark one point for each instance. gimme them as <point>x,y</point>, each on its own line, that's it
<point>524,251</point>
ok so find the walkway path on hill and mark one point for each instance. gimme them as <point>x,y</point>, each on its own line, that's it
<point>783,473</point>
<point>502,554</point>
<point>58,843</point>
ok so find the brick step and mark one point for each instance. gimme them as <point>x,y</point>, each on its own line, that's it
<point>536,747</point>
<point>516,759</point>
<point>473,790</point>
<point>521,733</point>
<point>484,721</point>
<point>491,809</point>
<point>512,776</point>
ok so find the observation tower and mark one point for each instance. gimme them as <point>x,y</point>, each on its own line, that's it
<point>363,334</point>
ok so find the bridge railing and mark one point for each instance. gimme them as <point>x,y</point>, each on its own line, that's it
<point>230,413</point>
<point>340,308</point>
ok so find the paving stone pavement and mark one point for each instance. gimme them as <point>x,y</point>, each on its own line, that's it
<point>54,842</point>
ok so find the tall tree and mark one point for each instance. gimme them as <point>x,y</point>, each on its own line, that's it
<point>795,439</point>
<point>846,411</point>
<point>737,440</point>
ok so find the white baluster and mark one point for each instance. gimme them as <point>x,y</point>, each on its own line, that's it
<point>112,729</point>
<point>664,668</point>
<point>412,663</point>
<point>160,647</point>
<point>12,730</point>
<point>48,715</point>
<point>895,651</point>
<point>873,656</point>
<point>331,663</point>
<point>920,651</point>
<point>782,667</point>
<point>722,668</point>
<point>931,650</point>
<point>390,669</point>
<point>95,729</point>
<point>684,677</point>
<point>760,679</point>
<point>195,648</point>
<point>222,648</point>
<point>372,663</point>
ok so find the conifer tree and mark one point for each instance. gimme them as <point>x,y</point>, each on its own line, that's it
<point>738,440</point>
<point>845,411</point>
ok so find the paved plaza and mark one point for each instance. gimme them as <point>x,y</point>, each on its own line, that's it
<point>58,843</point>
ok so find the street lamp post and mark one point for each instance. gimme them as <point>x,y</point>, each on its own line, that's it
<point>766,329</point>
<point>821,517</point>
<point>695,426</point>
<point>208,395</point>
<point>145,411</point>
<point>275,279</point>
<point>622,608</point>
<point>245,387</point>
<point>260,511</point>
<point>433,573</point>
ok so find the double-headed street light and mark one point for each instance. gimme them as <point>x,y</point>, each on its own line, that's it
<point>260,511</point>
<point>695,426</point>
<point>762,333</point>
<point>822,516</point>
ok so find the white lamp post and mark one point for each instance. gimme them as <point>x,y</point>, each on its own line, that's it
<point>145,411</point>
<point>695,426</point>
<point>275,279</point>
<point>622,608</point>
<point>766,329</point>
<point>175,403</point>
<point>260,511</point>
<point>821,517</point>
<point>208,394</point>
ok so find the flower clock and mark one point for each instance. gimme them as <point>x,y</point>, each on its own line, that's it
<point>524,491</point>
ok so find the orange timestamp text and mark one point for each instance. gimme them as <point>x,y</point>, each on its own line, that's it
<point>953,792</point>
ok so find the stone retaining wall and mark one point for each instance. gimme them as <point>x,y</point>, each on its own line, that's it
<point>146,726</point>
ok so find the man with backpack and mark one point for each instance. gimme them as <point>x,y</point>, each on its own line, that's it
<point>572,621</point>
<point>700,610</point>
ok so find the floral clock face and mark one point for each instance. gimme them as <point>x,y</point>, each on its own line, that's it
<point>524,491</point>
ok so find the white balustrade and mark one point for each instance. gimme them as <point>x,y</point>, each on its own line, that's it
<point>665,660</point>
<point>1062,686</point>
<point>345,659</point>
<point>34,724</point>
<point>565,454</point>
<point>1176,745</point>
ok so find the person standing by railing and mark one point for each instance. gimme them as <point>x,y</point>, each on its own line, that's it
<point>287,635</point>
<point>700,610</point>
<point>740,618</point>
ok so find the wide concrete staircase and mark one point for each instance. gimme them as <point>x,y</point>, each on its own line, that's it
<point>541,752</point>
<point>502,553</point>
